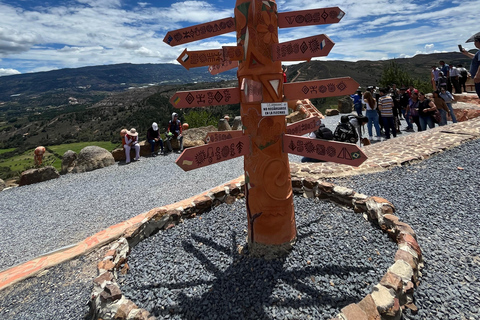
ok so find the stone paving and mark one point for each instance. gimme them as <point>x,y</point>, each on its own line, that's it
<point>381,156</point>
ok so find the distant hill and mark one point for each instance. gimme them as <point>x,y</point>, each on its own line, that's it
<point>94,103</point>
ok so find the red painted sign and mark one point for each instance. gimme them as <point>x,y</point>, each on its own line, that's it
<point>218,136</point>
<point>304,126</point>
<point>302,49</point>
<point>232,53</point>
<point>309,17</point>
<point>204,98</point>
<point>320,88</point>
<point>333,151</point>
<point>197,157</point>
<point>199,32</point>
<point>225,66</point>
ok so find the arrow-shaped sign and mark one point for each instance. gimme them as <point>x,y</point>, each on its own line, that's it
<point>193,59</point>
<point>225,66</point>
<point>199,32</point>
<point>218,136</point>
<point>205,98</point>
<point>333,151</point>
<point>201,156</point>
<point>304,126</point>
<point>320,88</point>
<point>302,49</point>
<point>309,17</point>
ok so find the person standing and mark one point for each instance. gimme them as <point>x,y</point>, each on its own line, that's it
<point>448,98</point>
<point>435,75</point>
<point>426,110</point>
<point>475,64</point>
<point>357,102</point>
<point>412,111</point>
<point>463,77</point>
<point>442,107</point>
<point>385,105</point>
<point>153,137</point>
<point>372,115</point>
<point>131,141</point>
<point>454,78</point>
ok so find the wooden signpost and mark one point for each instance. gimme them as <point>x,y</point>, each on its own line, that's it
<point>218,136</point>
<point>263,101</point>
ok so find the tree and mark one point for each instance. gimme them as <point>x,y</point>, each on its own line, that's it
<point>393,73</point>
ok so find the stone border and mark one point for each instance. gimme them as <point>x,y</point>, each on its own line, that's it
<point>387,300</point>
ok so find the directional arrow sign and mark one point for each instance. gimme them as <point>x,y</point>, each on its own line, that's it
<point>193,59</point>
<point>197,157</point>
<point>204,98</point>
<point>199,32</point>
<point>304,126</point>
<point>218,136</point>
<point>303,49</point>
<point>320,88</point>
<point>338,152</point>
<point>225,66</point>
<point>309,17</point>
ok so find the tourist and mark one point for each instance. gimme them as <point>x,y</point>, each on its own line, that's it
<point>412,111</point>
<point>426,111</point>
<point>174,131</point>
<point>442,80</point>
<point>444,68</point>
<point>475,64</point>
<point>435,75</point>
<point>411,89</point>
<point>357,102</point>
<point>464,74</point>
<point>153,137</point>
<point>385,105</point>
<point>322,133</point>
<point>442,107</point>
<point>448,98</point>
<point>38,155</point>
<point>454,79</point>
<point>372,115</point>
<point>131,141</point>
<point>403,103</point>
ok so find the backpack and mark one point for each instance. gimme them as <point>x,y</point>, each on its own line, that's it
<point>324,133</point>
<point>464,73</point>
<point>345,132</point>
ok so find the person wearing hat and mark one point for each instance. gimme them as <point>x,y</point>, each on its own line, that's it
<point>475,64</point>
<point>153,137</point>
<point>131,140</point>
<point>385,105</point>
<point>174,131</point>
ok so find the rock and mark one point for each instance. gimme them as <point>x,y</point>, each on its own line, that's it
<point>69,161</point>
<point>295,116</point>
<point>91,158</point>
<point>331,112</point>
<point>223,125</point>
<point>195,136</point>
<point>237,123</point>
<point>345,105</point>
<point>3,185</point>
<point>38,175</point>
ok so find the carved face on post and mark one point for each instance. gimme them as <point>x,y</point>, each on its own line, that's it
<point>267,173</point>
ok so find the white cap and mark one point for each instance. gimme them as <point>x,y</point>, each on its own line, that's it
<point>154,126</point>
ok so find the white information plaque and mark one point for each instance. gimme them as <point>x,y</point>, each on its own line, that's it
<point>274,109</point>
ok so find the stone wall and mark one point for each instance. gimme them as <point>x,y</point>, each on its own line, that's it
<point>388,298</point>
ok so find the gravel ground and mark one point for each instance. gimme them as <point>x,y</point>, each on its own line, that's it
<point>67,210</point>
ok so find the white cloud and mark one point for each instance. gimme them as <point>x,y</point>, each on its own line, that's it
<point>8,72</point>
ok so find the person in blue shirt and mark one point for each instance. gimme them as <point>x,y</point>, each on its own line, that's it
<point>475,64</point>
<point>357,102</point>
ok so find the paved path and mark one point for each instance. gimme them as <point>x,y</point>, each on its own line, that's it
<point>394,152</point>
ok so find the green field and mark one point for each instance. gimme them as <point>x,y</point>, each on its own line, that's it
<point>53,157</point>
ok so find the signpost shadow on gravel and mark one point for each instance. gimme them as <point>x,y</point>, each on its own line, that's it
<point>246,287</point>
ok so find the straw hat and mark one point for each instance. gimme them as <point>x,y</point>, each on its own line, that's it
<point>133,132</point>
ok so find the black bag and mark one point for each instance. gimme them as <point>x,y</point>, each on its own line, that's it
<point>323,133</point>
<point>345,132</point>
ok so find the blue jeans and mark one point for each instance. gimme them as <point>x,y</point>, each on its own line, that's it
<point>406,116</point>
<point>358,108</point>
<point>389,124</point>
<point>452,114</point>
<point>372,116</point>
<point>426,120</point>
<point>152,144</point>
<point>443,117</point>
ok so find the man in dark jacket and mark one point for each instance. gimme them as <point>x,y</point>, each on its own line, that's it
<point>153,137</point>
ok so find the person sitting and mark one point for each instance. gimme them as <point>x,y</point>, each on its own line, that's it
<point>38,155</point>
<point>131,140</point>
<point>174,131</point>
<point>153,137</point>
<point>345,132</point>
<point>322,133</point>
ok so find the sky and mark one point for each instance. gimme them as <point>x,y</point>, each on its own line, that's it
<point>47,35</point>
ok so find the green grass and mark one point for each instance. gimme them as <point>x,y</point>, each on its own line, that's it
<point>6,150</point>
<point>24,161</point>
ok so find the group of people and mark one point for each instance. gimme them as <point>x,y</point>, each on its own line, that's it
<point>453,78</point>
<point>174,131</point>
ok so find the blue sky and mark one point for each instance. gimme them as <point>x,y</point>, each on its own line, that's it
<point>46,35</point>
